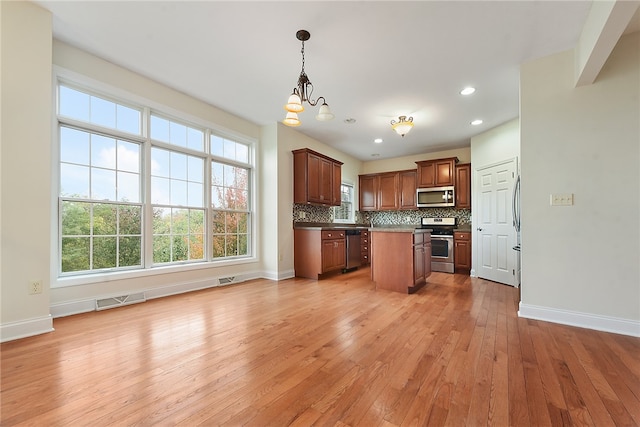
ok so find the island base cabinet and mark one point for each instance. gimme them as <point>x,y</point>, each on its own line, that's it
<point>400,261</point>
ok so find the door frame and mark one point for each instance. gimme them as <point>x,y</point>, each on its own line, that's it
<point>474,208</point>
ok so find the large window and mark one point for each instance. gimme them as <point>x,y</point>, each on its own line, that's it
<point>129,200</point>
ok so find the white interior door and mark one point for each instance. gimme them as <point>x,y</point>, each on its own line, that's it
<point>493,219</point>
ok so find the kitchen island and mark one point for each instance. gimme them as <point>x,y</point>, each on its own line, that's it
<point>400,258</point>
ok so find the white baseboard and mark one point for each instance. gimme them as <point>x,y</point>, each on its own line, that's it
<point>279,275</point>
<point>26,328</point>
<point>581,320</point>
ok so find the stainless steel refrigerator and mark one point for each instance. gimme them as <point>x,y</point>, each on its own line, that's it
<point>516,224</point>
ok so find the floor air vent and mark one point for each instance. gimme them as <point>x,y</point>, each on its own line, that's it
<point>103,304</point>
<point>226,280</point>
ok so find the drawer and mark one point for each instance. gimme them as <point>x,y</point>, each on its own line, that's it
<point>462,235</point>
<point>332,234</point>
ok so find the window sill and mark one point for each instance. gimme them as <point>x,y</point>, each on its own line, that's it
<point>88,279</point>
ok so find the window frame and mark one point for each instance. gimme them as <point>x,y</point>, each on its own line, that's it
<point>63,77</point>
<point>351,217</point>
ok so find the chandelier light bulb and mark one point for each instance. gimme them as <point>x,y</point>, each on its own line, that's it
<point>291,119</point>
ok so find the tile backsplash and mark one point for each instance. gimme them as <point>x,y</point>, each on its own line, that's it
<point>324,214</point>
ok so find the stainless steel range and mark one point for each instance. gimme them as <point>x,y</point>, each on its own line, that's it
<point>441,242</point>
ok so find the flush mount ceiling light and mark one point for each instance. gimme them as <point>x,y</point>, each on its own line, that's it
<point>467,90</point>
<point>303,92</point>
<point>403,125</point>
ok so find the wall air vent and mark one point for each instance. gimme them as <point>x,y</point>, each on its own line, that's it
<point>226,280</point>
<point>103,304</point>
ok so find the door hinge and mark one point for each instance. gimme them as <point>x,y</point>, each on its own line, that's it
<point>513,272</point>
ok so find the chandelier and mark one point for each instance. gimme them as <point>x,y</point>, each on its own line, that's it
<point>403,125</point>
<point>303,92</point>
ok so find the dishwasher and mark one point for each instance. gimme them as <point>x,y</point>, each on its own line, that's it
<point>353,250</point>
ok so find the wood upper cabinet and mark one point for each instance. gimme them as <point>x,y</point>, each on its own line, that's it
<point>463,186</point>
<point>407,191</point>
<point>436,173</point>
<point>368,189</point>
<point>388,191</point>
<point>316,178</point>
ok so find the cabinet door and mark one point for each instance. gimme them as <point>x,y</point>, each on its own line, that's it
<point>463,186</point>
<point>418,264</point>
<point>326,181</point>
<point>313,178</point>
<point>335,184</point>
<point>427,259</point>
<point>333,255</point>
<point>462,254</point>
<point>444,172</point>
<point>426,174</point>
<point>368,189</point>
<point>328,262</point>
<point>407,189</point>
<point>462,250</point>
<point>388,192</point>
<point>340,254</point>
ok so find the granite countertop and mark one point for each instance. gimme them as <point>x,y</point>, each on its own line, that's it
<point>328,226</point>
<point>406,228</point>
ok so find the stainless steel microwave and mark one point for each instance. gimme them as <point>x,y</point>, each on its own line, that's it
<point>435,197</point>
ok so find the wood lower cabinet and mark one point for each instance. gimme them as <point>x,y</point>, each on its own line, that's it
<point>436,173</point>
<point>462,251</point>
<point>463,186</point>
<point>421,259</point>
<point>318,251</point>
<point>400,260</point>
<point>333,251</point>
<point>316,178</point>
<point>365,247</point>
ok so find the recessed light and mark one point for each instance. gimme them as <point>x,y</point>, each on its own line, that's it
<point>375,155</point>
<point>467,90</point>
<point>350,121</point>
<point>476,122</point>
<point>378,140</point>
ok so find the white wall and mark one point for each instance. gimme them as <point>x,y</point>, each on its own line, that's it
<point>26,168</point>
<point>409,162</point>
<point>580,264</point>
<point>491,147</point>
<point>497,144</point>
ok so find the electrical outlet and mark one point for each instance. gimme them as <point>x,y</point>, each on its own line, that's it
<point>35,287</point>
<point>561,199</point>
<point>302,215</point>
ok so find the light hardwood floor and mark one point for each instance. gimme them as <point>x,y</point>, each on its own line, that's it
<point>330,352</point>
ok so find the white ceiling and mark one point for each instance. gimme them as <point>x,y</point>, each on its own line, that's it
<point>372,61</point>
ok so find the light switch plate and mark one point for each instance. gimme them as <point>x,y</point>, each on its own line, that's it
<point>565,199</point>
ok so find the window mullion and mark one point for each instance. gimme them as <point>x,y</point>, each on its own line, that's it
<point>147,244</point>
